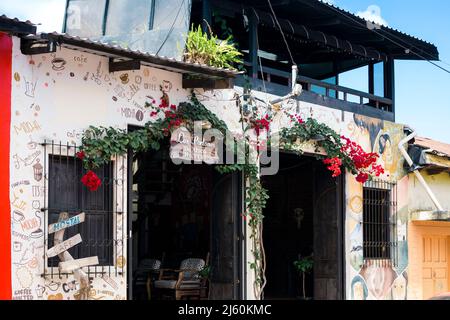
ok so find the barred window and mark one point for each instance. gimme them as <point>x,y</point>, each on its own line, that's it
<point>379,221</point>
<point>66,193</point>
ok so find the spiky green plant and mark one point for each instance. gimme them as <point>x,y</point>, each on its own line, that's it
<point>208,49</point>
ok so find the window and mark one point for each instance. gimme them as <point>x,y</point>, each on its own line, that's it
<point>378,79</point>
<point>66,193</point>
<point>137,20</point>
<point>84,18</point>
<point>97,18</point>
<point>379,221</point>
<point>356,79</point>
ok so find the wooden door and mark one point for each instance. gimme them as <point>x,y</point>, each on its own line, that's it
<point>328,248</point>
<point>435,265</point>
<point>225,237</point>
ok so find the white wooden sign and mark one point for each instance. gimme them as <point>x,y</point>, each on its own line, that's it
<point>63,246</point>
<point>60,225</point>
<point>185,147</point>
<point>59,228</point>
<point>71,265</point>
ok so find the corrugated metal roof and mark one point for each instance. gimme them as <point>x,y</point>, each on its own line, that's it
<point>16,26</point>
<point>16,20</point>
<point>116,51</point>
<point>384,27</point>
<point>28,29</point>
<point>439,148</point>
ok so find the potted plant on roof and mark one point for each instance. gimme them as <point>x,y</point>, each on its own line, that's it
<point>304,266</point>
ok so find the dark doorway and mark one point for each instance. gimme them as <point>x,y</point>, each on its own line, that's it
<point>303,219</point>
<point>181,212</point>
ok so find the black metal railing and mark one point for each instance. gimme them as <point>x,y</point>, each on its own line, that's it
<point>102,231</point>
<point>380,223</point>
<point>330,90</point>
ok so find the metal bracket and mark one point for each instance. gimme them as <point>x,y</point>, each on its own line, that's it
<point>34,46</point>
<point>190,82</point>
<point>123,65</point>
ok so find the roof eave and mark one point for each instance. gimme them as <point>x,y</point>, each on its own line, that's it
<point>16,26</point>
<point>117,52</point>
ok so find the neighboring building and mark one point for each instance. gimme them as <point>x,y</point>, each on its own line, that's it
<point>54,86</point>
<point>429,228</point>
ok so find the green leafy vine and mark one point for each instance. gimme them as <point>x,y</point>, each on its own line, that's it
<point>101,144</point>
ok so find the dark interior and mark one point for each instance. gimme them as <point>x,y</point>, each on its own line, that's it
<point>171,211</point>
<point>288,226</point>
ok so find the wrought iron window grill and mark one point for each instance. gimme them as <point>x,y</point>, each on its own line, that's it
<point>103,230</point>
<point>380,246</point>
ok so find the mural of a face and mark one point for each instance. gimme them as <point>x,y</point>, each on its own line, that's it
<point>379,279</point>
<point>387,154</point>
<point>368,128</point>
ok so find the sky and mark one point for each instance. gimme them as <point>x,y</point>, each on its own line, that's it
<point>422,90</point>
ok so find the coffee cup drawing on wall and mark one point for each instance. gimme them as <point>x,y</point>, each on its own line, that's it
<point>58,64</point>
<point>18,216</point>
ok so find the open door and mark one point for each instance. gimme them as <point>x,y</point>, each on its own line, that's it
<point>225,247</point>
<point>328,235</point>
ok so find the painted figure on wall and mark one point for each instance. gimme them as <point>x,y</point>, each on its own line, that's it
<point>356,248</point>
<point>385,149</point>
<point>379,278</point>
<point>386,146</point>
<point>366,130</point>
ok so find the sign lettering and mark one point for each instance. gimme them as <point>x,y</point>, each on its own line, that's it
<point>64,246</point>
<point>66,223</point>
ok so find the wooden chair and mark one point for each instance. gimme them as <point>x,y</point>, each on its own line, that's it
<point>182,283</point>
<point>146,270</point>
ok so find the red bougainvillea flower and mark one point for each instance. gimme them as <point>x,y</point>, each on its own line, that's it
<point>80,155</point>
<point>334,165</point>
<point>365,163</point>
<point>296,117</point>
<point>362,177</point>
<point>91,180</point>
<point>261,124</point>
<point>164,103</point>
<point>173,107</point>
<point>153,113</point>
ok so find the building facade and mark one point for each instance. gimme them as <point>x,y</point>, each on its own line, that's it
<point>360,235</point>
<point>428,231</point>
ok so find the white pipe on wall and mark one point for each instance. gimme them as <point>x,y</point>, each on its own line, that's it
<point>296,88</point>
<point>419,177</point>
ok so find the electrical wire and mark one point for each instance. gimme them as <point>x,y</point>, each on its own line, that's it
<point>389,39</point>
<point>281,31</point>
<point>171,28</point>
<point>261,68</point>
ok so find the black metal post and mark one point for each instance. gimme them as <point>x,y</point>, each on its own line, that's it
<point>253,45</point>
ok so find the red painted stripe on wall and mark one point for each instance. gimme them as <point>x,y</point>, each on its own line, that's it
<point>5,127</point>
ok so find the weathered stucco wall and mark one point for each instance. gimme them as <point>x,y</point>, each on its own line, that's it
<point>418,197</point>
<point>372,283</point>
<point>55,97</point>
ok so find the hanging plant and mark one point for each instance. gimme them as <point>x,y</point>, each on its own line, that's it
<point>100,144</point>
<point>340,151</point>
<point>261,124</point>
